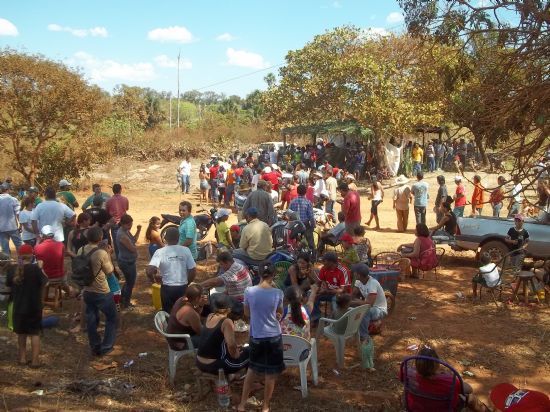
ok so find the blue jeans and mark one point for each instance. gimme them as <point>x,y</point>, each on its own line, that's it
<point>329,207</point>
<point>439,162</point>
<point>496,210</point>
<point>373,313</point>
<point>431,164</point>
<point>5,240</point>
<point>514,210</point>
<point>103,302</point>
<point>114,231</point>
<point>316,312</point>
<point>229,190</point>
<point>417,167</point>
<point>130,274</point>
<point>459,211</point>
<point>420,214</point>
<point>185,183</point>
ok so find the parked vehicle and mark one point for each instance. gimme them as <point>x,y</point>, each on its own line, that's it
<point>203,221</point>
<point>487,234</point>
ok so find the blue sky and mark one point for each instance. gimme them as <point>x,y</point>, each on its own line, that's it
<point>137,42</point>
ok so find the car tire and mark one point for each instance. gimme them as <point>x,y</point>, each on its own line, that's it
<point>496,249</point>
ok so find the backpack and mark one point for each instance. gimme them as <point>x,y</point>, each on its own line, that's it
<point>82,269</point>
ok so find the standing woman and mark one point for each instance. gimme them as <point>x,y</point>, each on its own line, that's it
<point>377,194</point>
<point>77,236</point>
<point>203,183</point>
<point>152,235</point>
<point>263,304</point>
<point>127,256</point>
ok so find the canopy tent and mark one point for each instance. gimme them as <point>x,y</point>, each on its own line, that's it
<point>346,128</point>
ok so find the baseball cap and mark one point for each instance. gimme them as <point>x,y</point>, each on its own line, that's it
<point>47,231</point>
<point>361,269</point>
<point>458,178</point>
<point>267,169</point>
<point>519,216</point>
<point>508,398</point>
<point>346,237</point>
<point>64,182</point>
<point>235,228</point>
<point>25,249</point>
<point>221,213</point>
<point>32,189</point>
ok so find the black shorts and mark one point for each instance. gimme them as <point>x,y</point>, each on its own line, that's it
<point>27,323</point>
<point>228,364</point>
<point>266,355</point>
<point>374,206</point>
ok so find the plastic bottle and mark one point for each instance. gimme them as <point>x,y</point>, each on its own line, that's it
<point>222,390</point>
<point>367,354</point>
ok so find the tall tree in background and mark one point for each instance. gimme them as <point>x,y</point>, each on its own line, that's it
<point>42,103</point>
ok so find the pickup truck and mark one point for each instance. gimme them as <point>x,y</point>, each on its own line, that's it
<point>487,234</point>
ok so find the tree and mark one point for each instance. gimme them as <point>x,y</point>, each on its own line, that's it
<point>388,84</point>
<point>42,102</point>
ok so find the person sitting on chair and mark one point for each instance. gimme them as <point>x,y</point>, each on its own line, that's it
<point>234,276</point>
<point>417,252</point>
<point>185,318</point>
<point>256,241</point>
<point>302,273</point>
<point>487,276</point>
<point>446,228</point>
<point>332,236</point>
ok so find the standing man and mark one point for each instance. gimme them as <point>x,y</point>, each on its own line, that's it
<point>462,152</point>
<point>116,206</point>
<point>185,172</point>
<point>65,195</point>
<point>351,206</point>
<point>417,154</point>
<point>32,193</point>
<point>517,198</point>
<point>477,196</point>
<point>304,210</point>
<point>332,185</point>
<point>174,266</point>
<point>188,228</point>
<point>96,187</point>
<point>262,202</point>
<point>497,197</point>
<point>430,157</point>
<point>459,197</point>
<point>230,181</point>
<point>439,148</point>
<point>419,192</point>
<point>401,196</point>
<point>441,197</point>
<point>9,224</point>
<point>53,213</point>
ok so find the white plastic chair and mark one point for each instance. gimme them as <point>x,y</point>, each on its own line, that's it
<point>354,316</point>
<point>298,352</point>
<point>161,322</point>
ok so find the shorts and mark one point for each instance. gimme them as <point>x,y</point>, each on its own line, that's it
<point>228,364</point>
<point>478,278</point>
<point>27,323</point>
<point>374,206</point>
<point>266,355</point>
<point>204,186</point>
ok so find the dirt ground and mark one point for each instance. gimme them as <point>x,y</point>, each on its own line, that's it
<point>505,345</point>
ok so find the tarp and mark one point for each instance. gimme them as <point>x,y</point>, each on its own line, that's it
<point>393,157</point>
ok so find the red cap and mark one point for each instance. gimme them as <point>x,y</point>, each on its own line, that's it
<point>346,237</point>
<point>25,249</point>
<point>235,228</point>
<point>508,398</point>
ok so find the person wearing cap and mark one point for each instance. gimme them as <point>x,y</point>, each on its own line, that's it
<point>174,267</point>
<point>332,187</point>
<point>32,192</point>
<point>367,290</point>
<point>334,278</point>
<point>350,255</point>
<point>517,198</point>
<point>65,195</point>
<point>508,398</point>
<point>459,197</point>
<point>350,180</point>
<point>96,188</point>
<point>222,230</point>
<point>517,237</point>
<point>271,176</point>
<point>319,189</point>
<point>304,210</point>
<point>256,242</point>
<point>401,196</point>
<point>351,206</point>
<point>9,220</point>
<point>27,283</point>
<point>53,213</point>
<point>234,277</point>
<point>262,202</point>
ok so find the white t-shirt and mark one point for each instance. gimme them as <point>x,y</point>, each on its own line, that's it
<point>490,274</point>
<point>319,188</point>
<point>9,208</point>
<point>274,196</point>
<point>372,286</point>
<point>516,193</point>
<point>25,216</point>
<point>185,168</point>
<point>173,262</point>
<point>53,213</point>
<point>254,182</point>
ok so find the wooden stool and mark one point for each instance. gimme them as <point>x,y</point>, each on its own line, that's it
<point>57,300</point>
<point>525,277</point>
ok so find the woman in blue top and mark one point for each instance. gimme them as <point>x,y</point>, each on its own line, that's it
<point>263,304</point>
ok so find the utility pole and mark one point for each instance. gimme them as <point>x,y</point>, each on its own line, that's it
<point>170,96</point>
<point>179,89</point>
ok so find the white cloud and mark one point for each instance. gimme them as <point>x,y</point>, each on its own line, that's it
<point>375,32</point>
<point>177,34</point>
<point>395,17</point>
<point>94,31</point>
<point>99,70</point>
<point>7,28</point>
<point>166,62</point>
<point>242,58</point>
<point>225,37</point>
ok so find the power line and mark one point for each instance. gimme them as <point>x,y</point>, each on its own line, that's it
<point>239,77</point>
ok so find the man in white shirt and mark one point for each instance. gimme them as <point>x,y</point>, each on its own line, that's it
<point>331,185</point>
<point>319,189</point>
<point>9,211</point>
<point>53,213</point>
<point>368,290</point>
<point>516,199</point>
<point>174,266</point>
<point>185,171</point>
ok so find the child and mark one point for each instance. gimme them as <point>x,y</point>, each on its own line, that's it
<point>362,245</point>
<point>152,235</point>
<point>343,301</point>
<point>222,230</point>
<point>350,255</point>
<point>487,276</point>
<point>27,285</point>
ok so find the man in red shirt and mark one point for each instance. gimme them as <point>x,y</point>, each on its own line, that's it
<point>351,206</point>
<point>51,253</point>
<point>272,177</point>
<point>334,278</point>
<point>116,206</point>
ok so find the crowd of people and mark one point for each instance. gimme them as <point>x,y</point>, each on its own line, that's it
<point>102,248</point>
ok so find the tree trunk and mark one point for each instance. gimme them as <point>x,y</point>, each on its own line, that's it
<point>481,147</point>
